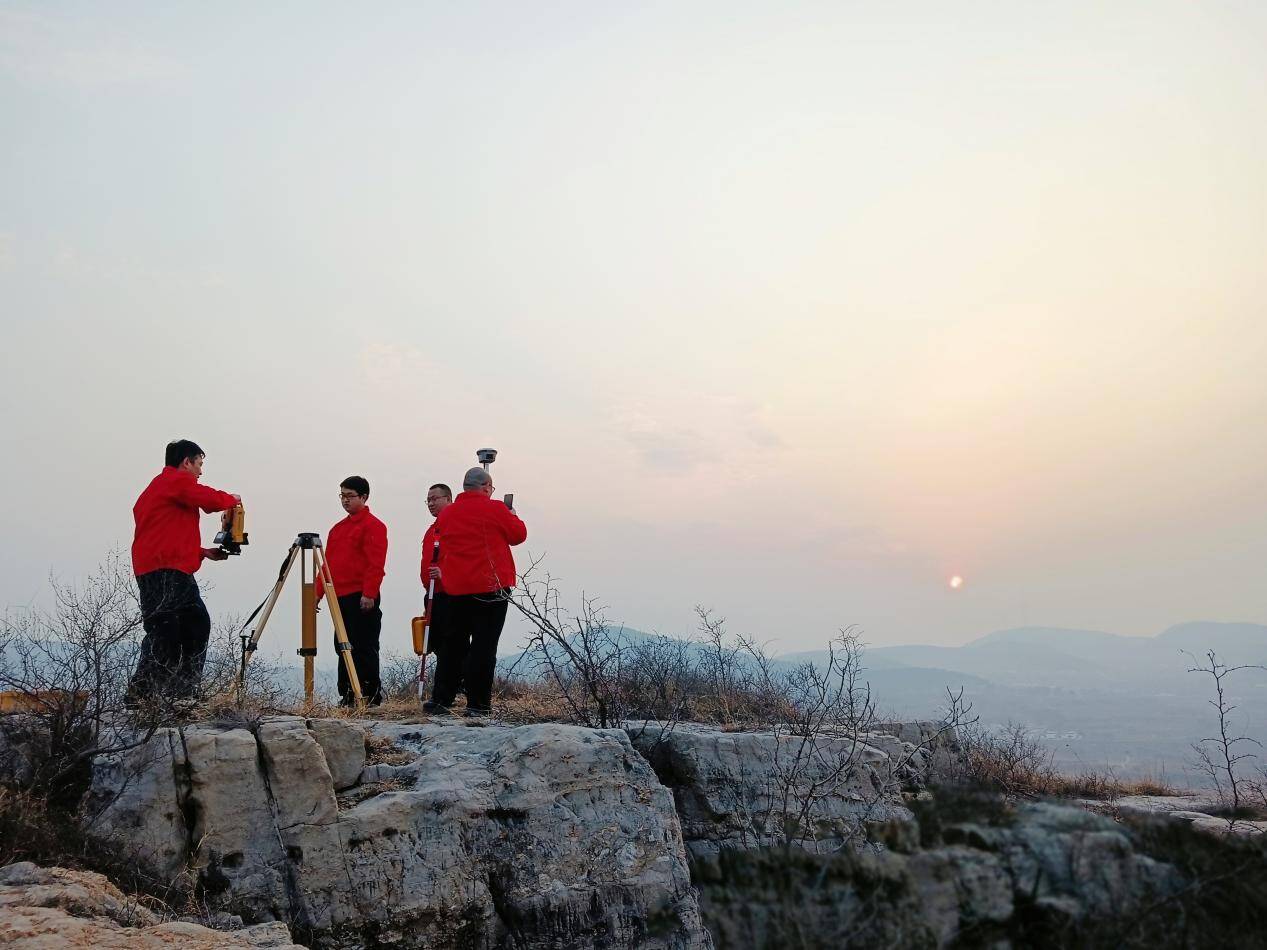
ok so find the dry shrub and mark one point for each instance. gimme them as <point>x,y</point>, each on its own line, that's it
<point>1013,761</point>
<point>398,676</point>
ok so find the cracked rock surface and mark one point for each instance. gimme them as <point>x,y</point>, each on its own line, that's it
<point>531,836</point>
<point>745,790</point>
<point>1050,876</point>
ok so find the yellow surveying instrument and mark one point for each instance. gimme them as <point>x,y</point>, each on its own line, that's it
<point>232,533</point>
<point>311,566</point>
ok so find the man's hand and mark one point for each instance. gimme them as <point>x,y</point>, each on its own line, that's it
<point>367,603</point>
<point>434,573</point>
<point>214,554</point>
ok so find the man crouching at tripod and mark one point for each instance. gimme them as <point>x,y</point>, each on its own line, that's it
<point>478,570</point>
<point>356,552</point>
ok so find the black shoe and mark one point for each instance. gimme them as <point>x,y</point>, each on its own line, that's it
<point>473,712</point>
<point>433,708</point>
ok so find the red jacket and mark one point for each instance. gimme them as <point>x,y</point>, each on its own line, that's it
<point>476,533</point>
<point>167,521</point>
<point>428,548</point>
<point>356,550</point>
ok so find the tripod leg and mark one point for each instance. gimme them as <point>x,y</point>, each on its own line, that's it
<point>308,624</point>
<point>249,648</point>
<point>341,641</point>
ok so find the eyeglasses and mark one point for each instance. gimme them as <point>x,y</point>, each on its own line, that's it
<point>348,495</point>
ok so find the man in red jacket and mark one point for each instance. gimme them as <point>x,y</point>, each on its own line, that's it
<point>166,553</point>
<point>356,550</point>
<point>439,497</point>
<point>478,571</point>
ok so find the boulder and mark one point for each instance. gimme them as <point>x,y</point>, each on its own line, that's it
<point>138,797</point>
<point>343,743</point>
<point>959,887</point>
<point>757,789</point>
<point>533,836</point>
<point>1192,810</point>
<point>1044,875</point>
<point>1070,858</point>
<point>919,732</point>
<point>54,907</point>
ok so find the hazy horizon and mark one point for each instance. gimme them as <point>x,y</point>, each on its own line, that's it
<point>796,311</point>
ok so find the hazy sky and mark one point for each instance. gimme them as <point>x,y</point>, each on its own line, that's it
<point>791,309</point>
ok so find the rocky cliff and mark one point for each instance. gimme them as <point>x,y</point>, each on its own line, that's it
<point>535,836</point>
<point>360,834</point>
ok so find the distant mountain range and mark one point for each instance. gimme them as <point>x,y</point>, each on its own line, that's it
<point>1051,656</point>
<point>1100,700</point>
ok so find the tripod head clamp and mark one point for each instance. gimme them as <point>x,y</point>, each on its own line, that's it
<point>308,540</point>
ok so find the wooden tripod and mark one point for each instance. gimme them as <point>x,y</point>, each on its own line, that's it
<point>310,568</point>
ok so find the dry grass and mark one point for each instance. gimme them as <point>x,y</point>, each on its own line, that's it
<point>1102,786</point>
<point>521,702</point>
<point>360,793</point>
<point>515,701</point>
<point>379,750</point>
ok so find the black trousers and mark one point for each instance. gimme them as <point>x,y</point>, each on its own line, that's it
<point>468,649</point>
<point>441,619</point>
<point>177,628</point>
<point>364,627</point>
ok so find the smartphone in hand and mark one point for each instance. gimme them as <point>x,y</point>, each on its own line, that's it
<point>509,501</point>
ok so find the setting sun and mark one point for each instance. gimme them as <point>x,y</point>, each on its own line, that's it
<point>956,582</point>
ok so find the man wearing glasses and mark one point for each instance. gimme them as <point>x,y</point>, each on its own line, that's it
<point>439,497</point>
<point>356,550</point>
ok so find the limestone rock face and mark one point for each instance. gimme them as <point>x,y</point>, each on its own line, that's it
<point>531,836</point>
<point>1048,876</point>
<point>758,789</point>
<point>1192,810</point>
<point>343,744</point>
<point>931,748</point>
<point>54,907</point>
<point>138,796</point>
